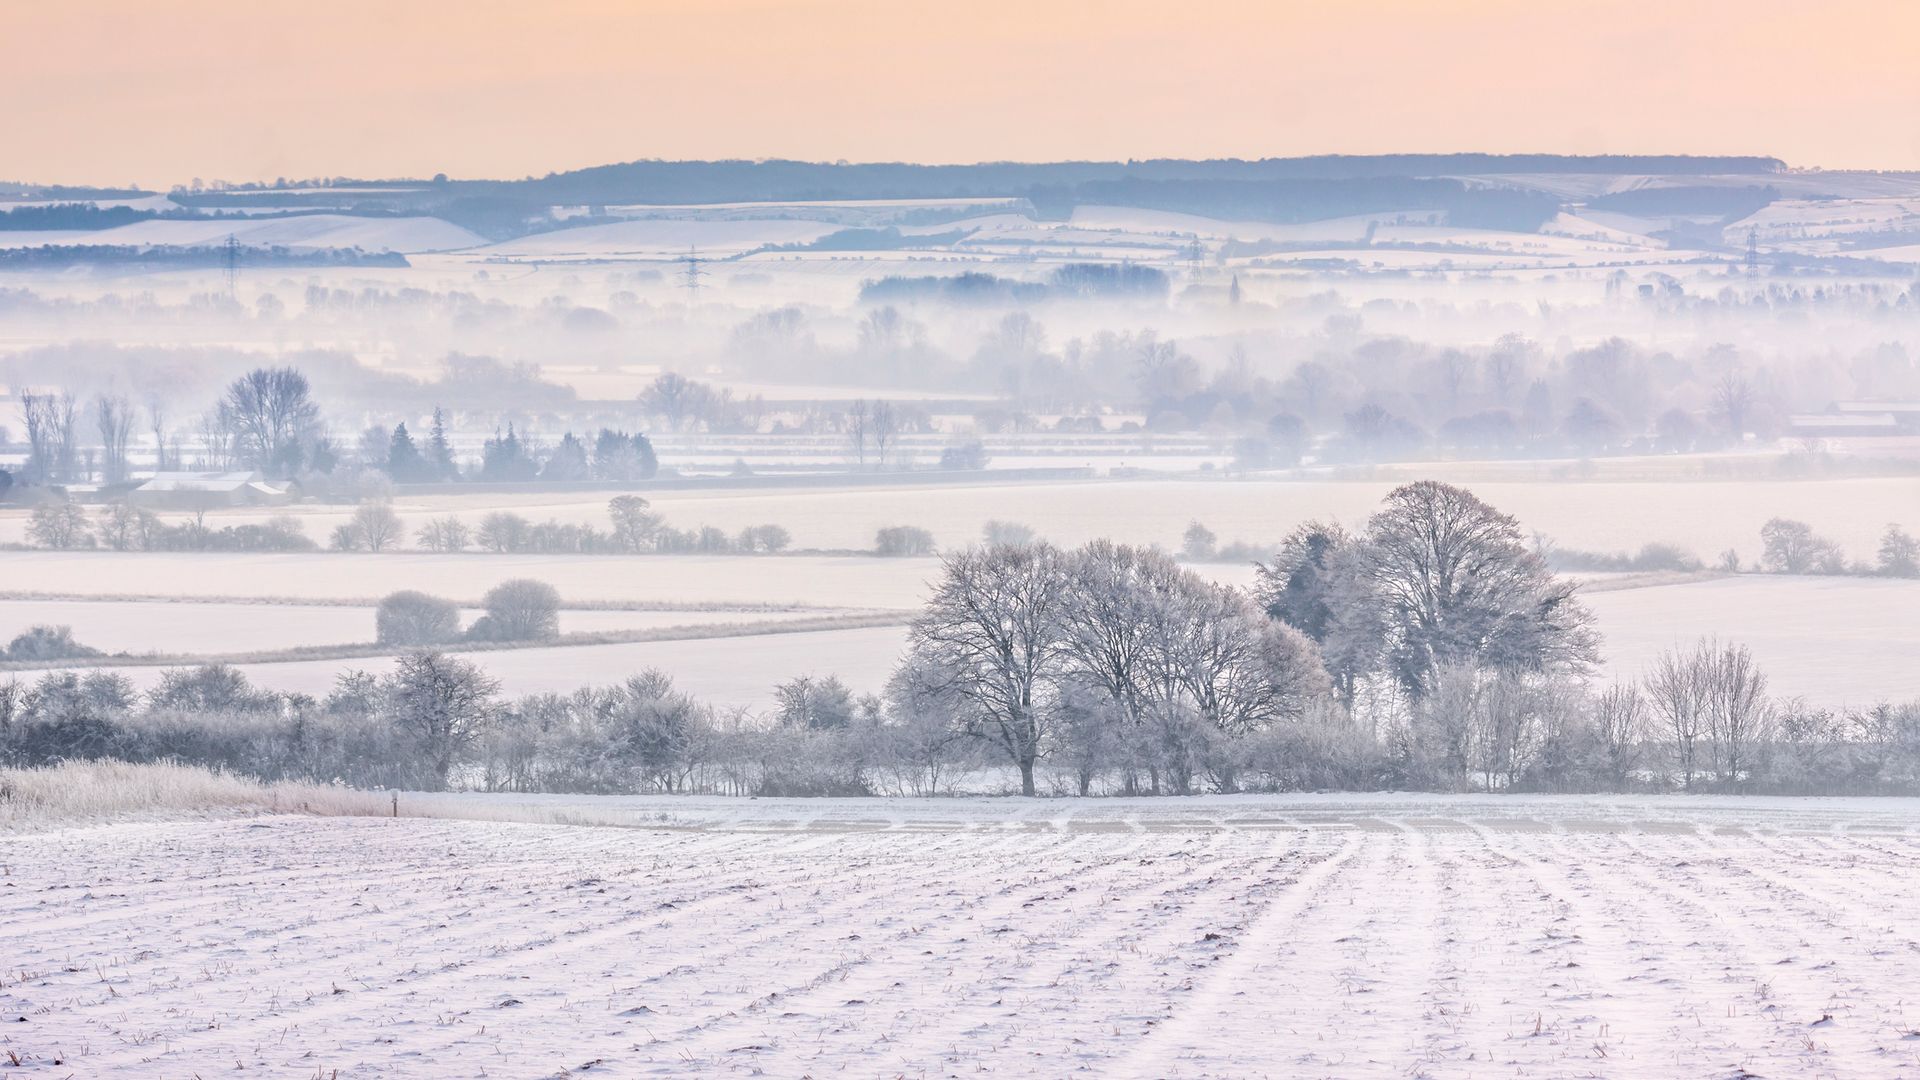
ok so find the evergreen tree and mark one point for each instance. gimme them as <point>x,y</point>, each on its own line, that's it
<point>505,457</point>
<point>439,451</point>
<point>643,450</point>
<point>568,461</point>
<point>620,456</point>
<point>404,462</point>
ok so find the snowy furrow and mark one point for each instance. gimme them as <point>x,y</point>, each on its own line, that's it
<point>1384,937</point>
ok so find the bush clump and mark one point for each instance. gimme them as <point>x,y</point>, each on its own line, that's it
<point>518,610</point>
<point>899,541</point>
<point>411,618</point>
<point>46,643</point>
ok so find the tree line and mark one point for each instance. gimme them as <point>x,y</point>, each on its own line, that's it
<point>1700,721</point>
<point>269,421</point>
<point>1431,650</point>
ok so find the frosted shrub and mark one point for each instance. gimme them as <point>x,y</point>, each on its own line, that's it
<point>518,610</point>
<point>902,540</point>
<point>414,618</point>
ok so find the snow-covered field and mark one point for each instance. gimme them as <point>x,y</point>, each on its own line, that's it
<point>303,232</point>
<point>185,628</point>
<point>660,239</point>
<point>1230,936</point>
<point>724,671</point>
<point>825,581</point>
<point>1833,641</point>
<point>1836,642</point>
<point>1707,517</point>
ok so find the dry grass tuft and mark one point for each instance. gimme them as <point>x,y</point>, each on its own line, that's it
<point>82,791</point>
<point>99,792</point>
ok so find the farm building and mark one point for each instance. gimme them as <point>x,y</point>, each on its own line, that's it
<point>1904,414</point>
<point>1839,425</point>
<point>199,491</point>
<point>1859,418</point>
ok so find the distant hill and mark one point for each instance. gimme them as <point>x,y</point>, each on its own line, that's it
<point>671,182</point>
<point>1486,190</point>
<point>1272,189</point>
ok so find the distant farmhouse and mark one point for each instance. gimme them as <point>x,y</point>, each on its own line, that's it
<point>208,490</point>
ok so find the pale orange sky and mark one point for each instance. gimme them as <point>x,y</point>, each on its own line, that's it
<point>160,91</point>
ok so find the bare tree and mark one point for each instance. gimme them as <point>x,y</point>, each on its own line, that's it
<point>675,399</point>
<point>1506,729</point>
<point>1507,367</point>
<point>1458,585</point>
<point>1235,672</point>
<point>1443,726</point>
<point>271,416</point>
<point>1106,621</point>
<point>51,446</point>
<point>884,330</point>
<point>1110,634</point>
<point>1620,722</point>
<point>375,527</point>
<point>34,420</point>
<point>859,427</point>
<point>445,702</point>
<point>988,635</point>
<point>815,703</point>
<point>885,420</point>
<point>124,527</point>
<point>1007,532</point>
<point>1792,547</point>
<point>1240,670</point>
<point>444,534</point>
<point>1733,399</point>
<point>1312,384</point>
<point>157,425</point>
<point>664,729</point>
<point>1899,553</point>
<point>635,525</point>
<point>927,731</point>
<point>66,436</point>
<point>1677,688</point>
<point>1456,371</point>
<point>114,417</point>
<point>1739,715</point>
<point>217,447</point>
<point>60,525</point>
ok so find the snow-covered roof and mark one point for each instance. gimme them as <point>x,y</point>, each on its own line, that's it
<point>209,482</point>
<point>1878,407</point>
<point>1848,420</point>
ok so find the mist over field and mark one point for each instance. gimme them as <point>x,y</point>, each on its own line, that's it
<point>1430,614</point>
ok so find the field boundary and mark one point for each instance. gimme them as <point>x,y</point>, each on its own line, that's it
<point>369,651</point>
<point>691,606</point>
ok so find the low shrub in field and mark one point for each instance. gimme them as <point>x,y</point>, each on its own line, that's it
<point>412,618</point>
<point>902,540</point>
<point>1651,558</point>
<point>518,610</point>
<point>46,643</point>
